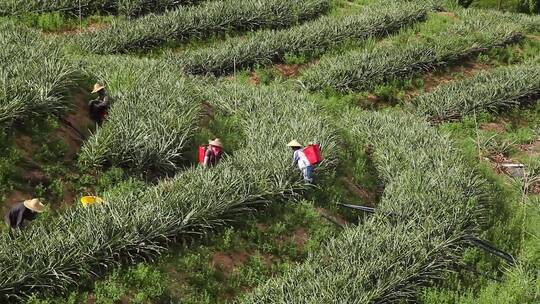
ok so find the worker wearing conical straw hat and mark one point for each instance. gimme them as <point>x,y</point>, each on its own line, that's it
<point>300,160</point>
<point>99,107</point>
<point>24,211</point>
<point>213,153</point>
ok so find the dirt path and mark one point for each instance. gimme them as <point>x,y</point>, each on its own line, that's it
<point>436,78</point>
<point>34,173</point>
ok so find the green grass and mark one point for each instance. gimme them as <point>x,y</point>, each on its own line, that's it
<point>521,6</point>
<point>56,22</point>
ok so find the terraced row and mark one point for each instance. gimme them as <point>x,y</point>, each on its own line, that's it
<point>130,8</point>
<point>54,254</point>
<point>309,39</point>
<point>435,196</point>
<point>486,91</point>
<point>35,75</point>
<point>152,119</point>
<point>431,204</point>
<point>364,69</point>
<point>202,21</point>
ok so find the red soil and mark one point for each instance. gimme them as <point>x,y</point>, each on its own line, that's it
<point>532,149</point>
<point>499,127</point>
<point>337,217</point>
<point>254,79</point>
<point>289,70</point>
<point>434,79</point>
<point>359,191</point>
<point>92,27</point>
<point>229,261</point>
<point>449,14</point>
<point>300,237</point>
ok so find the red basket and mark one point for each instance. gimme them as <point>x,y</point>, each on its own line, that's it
<point>313,154</point>
<point>202,153</point>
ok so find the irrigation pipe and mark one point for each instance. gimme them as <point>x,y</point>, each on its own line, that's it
<point>482,244</point>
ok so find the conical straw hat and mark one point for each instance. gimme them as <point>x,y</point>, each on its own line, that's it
<point>98,87</point>
<point>34,205</point>
<point>216,142</point>
<point>294,143</point>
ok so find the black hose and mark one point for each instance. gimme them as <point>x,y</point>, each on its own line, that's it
<point>488,247</point>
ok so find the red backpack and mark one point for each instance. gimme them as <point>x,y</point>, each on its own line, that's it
<point>202,153</point>
<point>313,154</point>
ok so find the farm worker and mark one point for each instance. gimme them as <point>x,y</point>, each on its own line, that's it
<point>213,153</point>
<point>300,160</point>
<point>99,107</point>
<point>26,210</point>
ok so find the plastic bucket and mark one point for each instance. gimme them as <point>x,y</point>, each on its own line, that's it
<point>313,154</point>
<point>91,200</point>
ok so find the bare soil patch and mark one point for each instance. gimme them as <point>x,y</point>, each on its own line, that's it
<point>289,70</point>
<point>535,188</point>
<point>262,227</point>
<point>208,114</point>
<point>92,27</point>
<point>25,146</point>
<point>361,192</point>
<point>337,217</point>
<point>532,149</point>
<point>499,127</point>
<point>14,198</point>
<point>533,37</point>
<point>499,158</point>
<point>452,15</point>
<point>229,261</point>
<point>300,237</point>
<point>254,79</point>
<point>433,79</point>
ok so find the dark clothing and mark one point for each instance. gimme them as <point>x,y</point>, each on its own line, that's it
<point>210,158</point>
<point>18,214</point>
<point>99,107</point>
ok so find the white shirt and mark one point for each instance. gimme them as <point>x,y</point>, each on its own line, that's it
<point>299,157</point>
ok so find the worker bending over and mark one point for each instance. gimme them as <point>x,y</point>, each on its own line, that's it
<point>213,153</point>
<point>300,160</point>
<point>25,211</point>
<point>99,107</point>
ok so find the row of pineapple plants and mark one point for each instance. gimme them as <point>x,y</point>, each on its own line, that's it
<point>153,116</point>
<point>35,76</point>
<point>201,21</point>
<point>139,224</point>
<point>431,202</point>
<point>486,91</point>
<point>364,69</point>
<point>130,8</point>
<point>309,39</point>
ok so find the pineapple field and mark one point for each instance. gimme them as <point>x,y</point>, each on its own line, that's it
<point>425,112</point>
